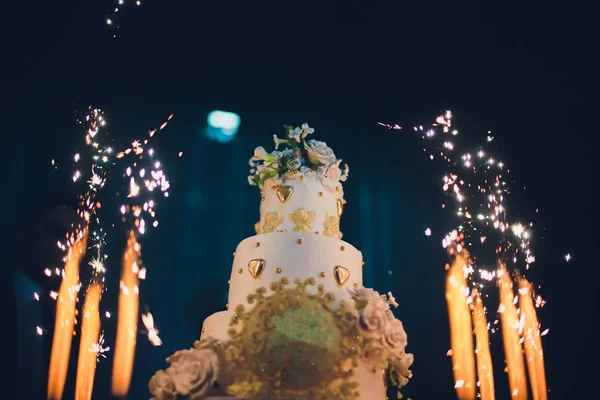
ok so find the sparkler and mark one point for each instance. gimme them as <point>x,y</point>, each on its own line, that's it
<point>477,181</point>
<point>101,161</point>
<point>65,316</point>
<point>485,371</point>
<point>532,341</point>
<point>127,319</point>
<point>461,328</point>
<point>90,333</point>
<point>511,330</point>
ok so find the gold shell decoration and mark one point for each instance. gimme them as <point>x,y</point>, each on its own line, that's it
<point>256,267</point>
<point>341,275</point>
<point>284,193</point>
<point>340,207</point>
<point>271,222</point>
<point>303,219</point>
<point>331,226</point>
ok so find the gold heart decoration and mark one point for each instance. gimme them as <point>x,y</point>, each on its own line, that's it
<point>284,193</point>
<point>341,275</point>
<point>340,207</point>
<point>256,267</point>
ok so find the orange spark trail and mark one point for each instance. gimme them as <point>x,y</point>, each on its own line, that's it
<point>65,318</point>
<point>533,342</point>
<point>90,333</point>
<point>510,334</point>
<point>127,319</point>
<point>461,329</point>
<point>485,371</point>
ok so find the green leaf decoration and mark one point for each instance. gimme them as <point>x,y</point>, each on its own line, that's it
<point>393,375</point>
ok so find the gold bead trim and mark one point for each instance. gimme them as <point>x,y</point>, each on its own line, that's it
<point>240,270</point>
<point>342,248</point>
<point>257,244</point>
<point>323,274</point>
<point>278,270</point>
<point>234,253</point>
<point>321,194</point>
<point>299,241</point>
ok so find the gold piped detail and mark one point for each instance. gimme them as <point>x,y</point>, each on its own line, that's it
<point>305,313</point>
<point>341,275</point>
<point>256,267</point>
<point>284,193</point>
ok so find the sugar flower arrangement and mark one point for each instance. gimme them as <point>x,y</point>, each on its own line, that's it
<point>384,338</point>
<point>299,155</point>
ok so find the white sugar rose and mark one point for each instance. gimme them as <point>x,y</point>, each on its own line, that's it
<point>162,386</point>
<point>363,296</point>
<point>294,164</point>
<point>375,352</point>
<point>331,175</point>
<point>319,153</point>
<point>372,321</point>
<point>395,337</point>
<point>194,371</point>
<point>401,365</point>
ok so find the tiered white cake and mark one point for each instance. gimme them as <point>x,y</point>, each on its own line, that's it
<point>298,322</point>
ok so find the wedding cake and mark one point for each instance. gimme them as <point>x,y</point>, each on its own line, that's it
<point>299,324</point>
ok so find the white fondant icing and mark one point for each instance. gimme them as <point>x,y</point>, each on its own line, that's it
<point>308,193</point>
<point>317,254</point>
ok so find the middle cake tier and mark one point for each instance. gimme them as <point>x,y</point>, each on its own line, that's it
<point>262,259</point>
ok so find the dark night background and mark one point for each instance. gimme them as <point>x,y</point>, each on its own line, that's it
<point>526,72</point>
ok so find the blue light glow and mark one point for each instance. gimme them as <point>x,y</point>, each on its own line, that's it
<point>222,125</point>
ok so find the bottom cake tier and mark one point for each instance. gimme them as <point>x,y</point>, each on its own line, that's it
<point>293,340</point>
<point>371,382</point>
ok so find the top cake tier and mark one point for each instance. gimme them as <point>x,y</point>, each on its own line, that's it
<point>301,185</point>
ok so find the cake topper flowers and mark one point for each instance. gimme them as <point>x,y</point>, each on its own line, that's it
<point>192,373</point>
<point>299,155</point>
